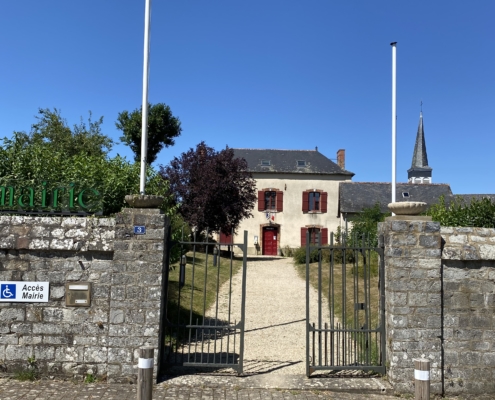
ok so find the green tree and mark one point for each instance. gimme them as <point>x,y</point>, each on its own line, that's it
<point>163,128</point>
<point>53,131</point>
<point>366,223</point>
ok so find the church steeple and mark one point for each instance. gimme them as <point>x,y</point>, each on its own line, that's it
<point>420,172</point>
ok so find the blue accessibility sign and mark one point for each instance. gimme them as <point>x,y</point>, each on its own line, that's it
<point>7,291</point>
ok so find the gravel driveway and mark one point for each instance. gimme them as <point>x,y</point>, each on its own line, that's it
<point>275,335</point>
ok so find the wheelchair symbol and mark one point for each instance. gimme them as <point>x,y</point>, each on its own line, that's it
<point>7,291</point>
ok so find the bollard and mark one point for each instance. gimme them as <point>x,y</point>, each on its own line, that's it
<point>145,373</point>
<point>215,255</point>
<point>182,271</point>
<point>422,379</point>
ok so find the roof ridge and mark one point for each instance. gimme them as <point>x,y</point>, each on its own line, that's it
<point>242,148</point>
<point>398,183</point>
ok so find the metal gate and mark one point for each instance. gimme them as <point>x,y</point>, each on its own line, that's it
<point>347,330</point>
<point>203,320</point>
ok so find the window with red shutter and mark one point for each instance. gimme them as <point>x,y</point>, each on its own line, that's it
<point>323,202</point>
<point>315,201</point>
<point>305,201</point>
<point>303,236</point>
<point>280,200</point>
<point>324,236</point>
<point>261,200</point>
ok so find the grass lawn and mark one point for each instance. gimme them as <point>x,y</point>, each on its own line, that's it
<point>355,305</point>
<point>202,282</point>
<point>352,278</point>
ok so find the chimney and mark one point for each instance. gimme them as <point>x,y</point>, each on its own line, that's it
<point>341,158</point>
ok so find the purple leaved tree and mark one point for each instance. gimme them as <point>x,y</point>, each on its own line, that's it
<point>214,190</point>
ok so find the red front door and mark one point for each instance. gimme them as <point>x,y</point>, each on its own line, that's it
<point>270,241</point>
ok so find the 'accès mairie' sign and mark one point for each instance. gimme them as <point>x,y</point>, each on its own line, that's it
<point>24,292</point>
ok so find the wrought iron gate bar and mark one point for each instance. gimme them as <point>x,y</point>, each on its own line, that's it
<point>346,340</point>
<point>211,337</point>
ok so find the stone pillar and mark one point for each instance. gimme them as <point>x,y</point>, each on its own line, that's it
<point>413,303</point>
<point>136,291</point>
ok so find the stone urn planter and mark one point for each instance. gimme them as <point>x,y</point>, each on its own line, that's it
<point>144,200</point>
<point>407,207</point>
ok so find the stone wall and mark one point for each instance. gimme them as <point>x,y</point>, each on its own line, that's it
<point>440,288</point>
<point>468,270</point>
<point>125,271</point>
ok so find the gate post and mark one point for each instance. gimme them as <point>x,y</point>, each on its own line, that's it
<point>413,298</point>
<point>136,294</point>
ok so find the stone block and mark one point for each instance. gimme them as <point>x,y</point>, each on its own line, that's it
<point>399,226</point>
<point>119,355</point>
<point>114,341</point>
<point>96,354</point>
<point>125,256</point>
<point>124,233</point>
<point>119,330</point>
<point>484,321</point>
<point>123,279</point>
<point>70,354</point>
<point>468,334</point>
<point>12,314</point>
<point>117,316</point>
<point>30,340</point>
<point>155,293</point>
<point>53,314</point>
<point>487,251</point>
<point>121,246</point>
<point>434,321</point>
<point>117,293</point>
<point>153,316</point>
<point>9,339</point>
<point>135,292</point>
<point>469,357</point>
<point>16,352</point>
<point>57,340</point>
<point>135,316</point>
<point>44,352</point>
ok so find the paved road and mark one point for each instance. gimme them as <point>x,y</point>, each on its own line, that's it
<point>65,390</point>
<point>60,390</point>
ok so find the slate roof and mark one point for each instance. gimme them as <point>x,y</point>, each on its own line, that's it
<point>354,196</point>
<point>468,197</point>
<point>286,161</point>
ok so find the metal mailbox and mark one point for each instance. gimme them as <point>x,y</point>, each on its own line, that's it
<point>78,294</point>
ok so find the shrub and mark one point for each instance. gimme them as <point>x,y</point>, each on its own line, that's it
<point>476,213</point>
<point>300,255</point>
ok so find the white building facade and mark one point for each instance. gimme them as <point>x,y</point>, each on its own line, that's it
<point>298,192</point>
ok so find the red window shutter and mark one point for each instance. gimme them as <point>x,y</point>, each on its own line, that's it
<point>280,200</point>
<point>323,202</point>
<point>305,202</point>
<point>303,236</point>
<point>324,236</point>
<point>261,200</point>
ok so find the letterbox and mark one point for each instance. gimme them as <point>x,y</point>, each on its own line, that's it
<point>78,294</point>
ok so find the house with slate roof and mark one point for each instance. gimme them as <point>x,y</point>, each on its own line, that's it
<point>297,193</point>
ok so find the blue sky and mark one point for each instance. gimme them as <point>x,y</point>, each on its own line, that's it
<point>269,74</point>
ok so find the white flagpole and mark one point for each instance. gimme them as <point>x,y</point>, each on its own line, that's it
<point>394,117</point>
<point>144,108</point>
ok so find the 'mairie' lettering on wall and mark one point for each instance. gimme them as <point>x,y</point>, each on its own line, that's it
<point>58,198</point>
